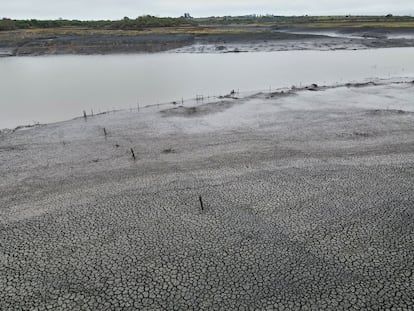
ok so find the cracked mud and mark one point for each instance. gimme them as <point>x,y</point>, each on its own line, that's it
<point>308,205</point>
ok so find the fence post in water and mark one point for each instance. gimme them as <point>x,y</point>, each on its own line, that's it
<point>199,98</point>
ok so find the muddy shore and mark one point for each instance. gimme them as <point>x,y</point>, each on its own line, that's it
<point>248,39</point>
<point>307,204</point>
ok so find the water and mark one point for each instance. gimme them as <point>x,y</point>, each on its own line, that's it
<point>334,34</point>
<point>54,88</point>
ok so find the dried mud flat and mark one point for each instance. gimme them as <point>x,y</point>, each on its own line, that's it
<point>308,205</point>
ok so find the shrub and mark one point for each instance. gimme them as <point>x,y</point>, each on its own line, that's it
<point>7,24</point>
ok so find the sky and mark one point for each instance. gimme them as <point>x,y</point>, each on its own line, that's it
<point>117,9</point>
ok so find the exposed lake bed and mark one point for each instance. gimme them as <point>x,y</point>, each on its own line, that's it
<point>307,203</point>
<point>214,39</point>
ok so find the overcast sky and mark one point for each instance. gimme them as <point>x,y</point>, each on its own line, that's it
<point>116,9</point>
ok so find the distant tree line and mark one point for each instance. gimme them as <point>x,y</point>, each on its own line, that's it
<point>149,21</point>
<point>141,22</point>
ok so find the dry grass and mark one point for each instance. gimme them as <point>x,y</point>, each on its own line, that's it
<point>41,32</point>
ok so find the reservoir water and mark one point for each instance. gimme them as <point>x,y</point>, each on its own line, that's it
<point>53,88</point>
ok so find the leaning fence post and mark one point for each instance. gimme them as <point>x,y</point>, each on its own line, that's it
<point>201,202</point>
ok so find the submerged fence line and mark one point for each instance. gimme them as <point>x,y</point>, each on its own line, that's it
<point>201,98</point>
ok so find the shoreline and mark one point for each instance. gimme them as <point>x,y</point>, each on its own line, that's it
<point>283,91</point>
<point>226,40</point>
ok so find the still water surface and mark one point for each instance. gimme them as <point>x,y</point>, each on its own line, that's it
<point>54,88</point>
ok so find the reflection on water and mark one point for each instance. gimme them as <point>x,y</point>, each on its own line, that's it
<point>52,88</point>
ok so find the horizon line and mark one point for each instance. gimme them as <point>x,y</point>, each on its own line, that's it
<point>214,16</point>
